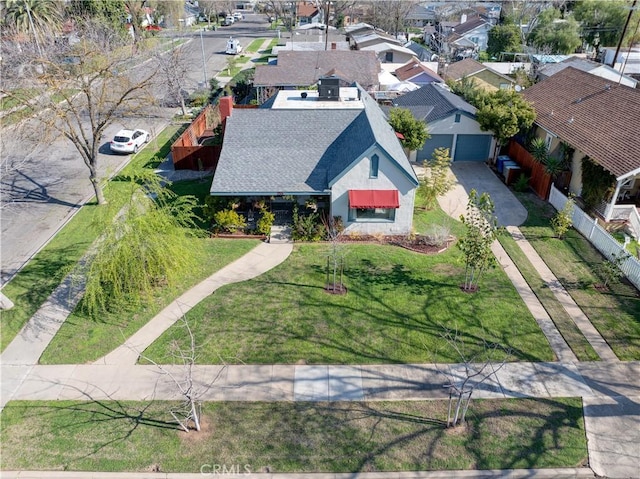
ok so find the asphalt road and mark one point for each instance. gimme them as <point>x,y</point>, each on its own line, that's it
<point>213,43</point>
<point>44,181</point>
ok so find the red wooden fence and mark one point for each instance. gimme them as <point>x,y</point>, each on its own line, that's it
<point>540,181</point>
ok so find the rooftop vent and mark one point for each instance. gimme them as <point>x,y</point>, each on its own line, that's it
<point>329,89</point>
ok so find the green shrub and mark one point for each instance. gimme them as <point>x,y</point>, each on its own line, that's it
<point>199,98</point>
<point>265,222</point>
<point>610,271</point>
<point>229,221</point>
<point>522,183</point>
<point>306,227</point>
<point>562,220</point>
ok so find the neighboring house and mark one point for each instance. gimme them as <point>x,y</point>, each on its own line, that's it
<point>474,31</point>
<point>302,69</point>
<point>390,52</point>
<point>308,13</point>
<point>333,145</point>
<point>594,68</point>
<point>421,53</point>
<point>451,123</point>
<point>418,73</point>
<point>599,119</point>
<point>370,38</point>
<point>419,16</point>
<point>627,61</point>
<point>480,74</point>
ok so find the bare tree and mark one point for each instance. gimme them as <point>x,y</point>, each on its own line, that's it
<point>188,413</point>
<point>463,381</point>
<point>389,15</point>
<point>210,8</point>
<point>84,87</point>
<point>336,254</point>
<point>172,69</point>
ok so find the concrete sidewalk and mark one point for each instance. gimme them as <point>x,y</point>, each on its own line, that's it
<point>552,473</point>
<point>259,260</point>
<point>401,382</point>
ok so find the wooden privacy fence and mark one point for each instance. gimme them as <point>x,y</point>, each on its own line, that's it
<point>599,237</point>
<point>187,154</point>
<point>539,180</point>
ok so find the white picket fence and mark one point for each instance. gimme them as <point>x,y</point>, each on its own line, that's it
<point>598,236</point>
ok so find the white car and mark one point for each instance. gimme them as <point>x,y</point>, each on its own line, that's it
<point>129,141</point>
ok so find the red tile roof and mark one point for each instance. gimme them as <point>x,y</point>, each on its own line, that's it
<point>594,115</point>
<point>305,9</point>
<point>413,68</point>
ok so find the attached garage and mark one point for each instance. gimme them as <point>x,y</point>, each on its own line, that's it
<point>436,141</point>
<point>472,148</point>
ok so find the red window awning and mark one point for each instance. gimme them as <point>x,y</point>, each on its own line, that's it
<point>373,199</point>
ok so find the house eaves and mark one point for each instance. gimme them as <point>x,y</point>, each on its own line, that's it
<point>592,114</point>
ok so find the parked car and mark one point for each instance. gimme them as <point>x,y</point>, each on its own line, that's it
<point>129,141</point>
<point>237,16</point>
<point>228,20</point>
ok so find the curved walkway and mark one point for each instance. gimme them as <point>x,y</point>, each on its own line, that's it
<point>259,260</point>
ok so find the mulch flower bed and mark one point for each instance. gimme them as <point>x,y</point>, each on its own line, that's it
<point>418,244</point>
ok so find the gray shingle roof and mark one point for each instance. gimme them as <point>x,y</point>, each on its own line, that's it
<point>305,68</point>
<point>268,151</point>
<point>432,103</point>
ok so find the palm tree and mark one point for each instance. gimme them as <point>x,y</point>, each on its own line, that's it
<point>28,15</point>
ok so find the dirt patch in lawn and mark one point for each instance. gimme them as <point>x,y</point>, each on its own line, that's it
<point>418,243</point>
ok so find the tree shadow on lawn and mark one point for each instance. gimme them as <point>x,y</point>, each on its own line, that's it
<point>546,438</point>
<point>93,423</point>
<point>421,329</point>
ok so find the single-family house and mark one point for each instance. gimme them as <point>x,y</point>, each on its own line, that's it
<point>594,68</point>
<point>421,53</point>
<point>418,73</point>
<point>333,145</point>
<point>599,120</point>
<point>419,16</point>
<point>627,60</point>
<point>308,13</point>
<point>451,123</point>
<point>390,52</point>
<point>481,75</point>
<point>302,69</point>
<point>368,38</point>
<point>470,37</point>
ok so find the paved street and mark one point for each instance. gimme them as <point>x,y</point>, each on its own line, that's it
<point>44,181</point>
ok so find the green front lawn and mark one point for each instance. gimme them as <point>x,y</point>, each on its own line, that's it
<point>293,437</point>
<point>574,261</point>
<point>398,305</point>
<point>82,339</point>
<point>254,45</point>
<point>563,322</point>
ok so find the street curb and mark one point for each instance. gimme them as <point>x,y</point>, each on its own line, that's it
<point>555,473</point>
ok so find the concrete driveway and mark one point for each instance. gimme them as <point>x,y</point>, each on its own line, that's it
<point>471,175</point>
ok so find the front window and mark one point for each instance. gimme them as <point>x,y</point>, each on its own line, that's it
<point>372,214</point>
<point>388,57</point>
<point>373,166</point>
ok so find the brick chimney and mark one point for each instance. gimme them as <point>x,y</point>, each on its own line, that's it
<point>226,106</point>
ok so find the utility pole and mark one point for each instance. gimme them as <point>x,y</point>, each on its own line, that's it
<point>204,62</point>
<point>326,26</point>
<point>624,31</point>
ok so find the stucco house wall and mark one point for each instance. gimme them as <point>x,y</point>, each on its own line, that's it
<point>390,177</point>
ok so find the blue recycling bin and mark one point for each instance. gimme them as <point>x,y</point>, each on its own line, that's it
<point>500,162</point>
